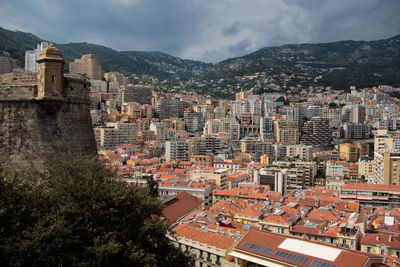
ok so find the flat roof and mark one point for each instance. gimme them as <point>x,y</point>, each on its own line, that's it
<point>310,249</point>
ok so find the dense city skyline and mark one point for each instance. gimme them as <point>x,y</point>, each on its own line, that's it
<point>202,30</point>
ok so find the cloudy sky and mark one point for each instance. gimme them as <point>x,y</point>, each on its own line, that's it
<point>207,30</point>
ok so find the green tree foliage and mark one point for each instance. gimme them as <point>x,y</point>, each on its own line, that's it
<point>333,105</point>
<point>80,214</point>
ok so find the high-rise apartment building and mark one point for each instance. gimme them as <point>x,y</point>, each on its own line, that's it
<point>6,63</point>
<point>193,121</point>
<point>286,131</point>
<point>166,108</point>
<point>334,115</point>
<point>387,167</point>
<point>159,130</point>
<point>353,151</point>
<point>204,145</point>
<point>266,129</point>
<point>316,132</point>
<point>31,57</point>
<point>383,141</point>
<point>137,93</point>
<point>355,131</point>
<point>229,125</point>
<point>177,150</point>
<point>314,111</point>
<point>87,65</point>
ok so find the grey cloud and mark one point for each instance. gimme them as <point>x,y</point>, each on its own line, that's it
<point>204,29</point>
<point>232,29</point>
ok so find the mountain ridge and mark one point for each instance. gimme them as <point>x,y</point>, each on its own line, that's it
<point>139,62</point>
<point>338,64</point>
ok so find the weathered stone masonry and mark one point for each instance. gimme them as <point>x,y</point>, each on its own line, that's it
<point>35,126</point>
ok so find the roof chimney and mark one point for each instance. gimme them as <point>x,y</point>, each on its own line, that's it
<point>390,238</point>
<point>377,238</point>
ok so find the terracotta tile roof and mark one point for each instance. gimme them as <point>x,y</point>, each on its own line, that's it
<point>280,218</point>
<point>325,214</point>
<point>272,241</point>
<point>229,207</point>
<point>220,192</point>
<point>371,187</point>
<point>180,205</point>
<point>203,217</point>
<point>382,211</point>
<point>328,201</point>
<point>392,241</point>
<point>378,224</point>
<point>310,226</point>
<point>321,192</point>
<point>332,231</point>
<point>309,202</point>
<point>210,235</point>
<point>348,206</point>
<point>254,210</point>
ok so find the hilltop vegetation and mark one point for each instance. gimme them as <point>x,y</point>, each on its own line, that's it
<point>336,64</point>
<point>139,62</point>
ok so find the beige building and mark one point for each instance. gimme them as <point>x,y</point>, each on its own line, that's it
<point>387,167</point>
<point>132,109</point>
<point>383,141</point>
<point>366,168</point>
<point>286,131</point>
<point>217,177</point>
<point>353,151</point>
<point>88,65</point>
<point>382,244</point>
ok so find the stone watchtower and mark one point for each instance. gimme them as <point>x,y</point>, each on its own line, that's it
<point>50,76</point>
<point>44,115</point>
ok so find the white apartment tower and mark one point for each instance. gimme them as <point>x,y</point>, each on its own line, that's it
<point>31,56</point>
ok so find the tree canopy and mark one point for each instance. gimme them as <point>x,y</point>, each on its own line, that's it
<point>80,214</point>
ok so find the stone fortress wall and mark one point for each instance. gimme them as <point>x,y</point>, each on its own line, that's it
<point>34,129</point>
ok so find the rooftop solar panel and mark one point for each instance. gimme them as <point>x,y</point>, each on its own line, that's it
<point>317,263</point>
<point>292,257</point>
<point>258,248</point>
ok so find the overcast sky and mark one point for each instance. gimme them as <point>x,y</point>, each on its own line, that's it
<point>207,30</point>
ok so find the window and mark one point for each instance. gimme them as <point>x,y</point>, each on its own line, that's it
<point>382,252</point>
<point>368,249</point>
<point>218,260</point>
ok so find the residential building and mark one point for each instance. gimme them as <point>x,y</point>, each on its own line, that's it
<point>137,93</point>
<point>316,132</point>
<point>382,244</point>
<point>31,57</point>
<point>87,65</point>
<point>387,167</point>
<point>168,107</point>
<point>353,151</point>
<point>375,195</point>
<point>356,131</point>
<point>199,189</point>
<point>229,125</point>
<point>7,64</point>
<point>269,249</point>
<point>176,150</point>
<point>286,131</point>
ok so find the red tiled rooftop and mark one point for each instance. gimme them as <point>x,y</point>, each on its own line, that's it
<point>371,187</point>
<point>377,239</point>
<point>180,205</point>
